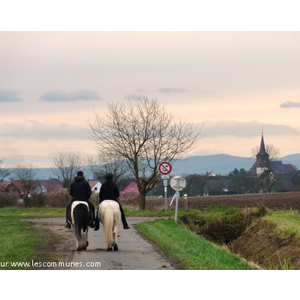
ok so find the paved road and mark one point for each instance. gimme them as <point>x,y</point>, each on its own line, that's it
<point>135,252</point>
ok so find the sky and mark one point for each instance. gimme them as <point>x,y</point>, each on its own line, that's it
<point>235,84</point>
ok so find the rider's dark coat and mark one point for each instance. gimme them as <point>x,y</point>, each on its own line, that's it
<point>80,189</point>
<point>109,190</point>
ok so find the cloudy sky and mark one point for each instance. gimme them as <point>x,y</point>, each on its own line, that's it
<point>235,83</point>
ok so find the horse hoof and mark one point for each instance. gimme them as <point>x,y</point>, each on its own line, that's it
<point>109,249</point>
<point>116,248</point>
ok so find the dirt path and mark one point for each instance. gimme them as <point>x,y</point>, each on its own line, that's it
<point>135,252</point>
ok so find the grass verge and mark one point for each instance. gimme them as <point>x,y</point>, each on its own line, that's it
<point>31,213</point>
<point>192,252</point>
<point>21,243</point>
<point>17,244</point>
<point>288,222</point>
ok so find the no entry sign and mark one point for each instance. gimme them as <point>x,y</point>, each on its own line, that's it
<point>164,168</point>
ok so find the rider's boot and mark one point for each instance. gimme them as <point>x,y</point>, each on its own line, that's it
<point>68,225</point>
<point>97,224</point>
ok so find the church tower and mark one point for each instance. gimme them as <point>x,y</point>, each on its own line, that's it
<point>262,158</point>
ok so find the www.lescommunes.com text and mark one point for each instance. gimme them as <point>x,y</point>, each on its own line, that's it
<point>49,264</point>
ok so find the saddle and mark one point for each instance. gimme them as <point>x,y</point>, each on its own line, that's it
<point>77,202</point>
<point>74,204</point>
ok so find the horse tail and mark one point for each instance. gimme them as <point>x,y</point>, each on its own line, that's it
<point>81,218</point>
<point>108,224</point>
<point>78,215</point>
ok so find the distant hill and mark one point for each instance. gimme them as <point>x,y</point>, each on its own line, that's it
<point>220,164</point>
<point>293,159</point>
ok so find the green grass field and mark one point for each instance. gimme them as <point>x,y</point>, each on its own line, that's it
<point>17,243</point>
<point>31,213</point>
<point>19,240</point>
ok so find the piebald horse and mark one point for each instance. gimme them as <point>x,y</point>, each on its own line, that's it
<point>110,217</point>
<point>80,220</point>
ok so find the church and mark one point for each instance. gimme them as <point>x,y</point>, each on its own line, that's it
<point>280,177</point>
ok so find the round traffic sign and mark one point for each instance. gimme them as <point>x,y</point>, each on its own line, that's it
<point>178,183</point>
<point>165,168</point>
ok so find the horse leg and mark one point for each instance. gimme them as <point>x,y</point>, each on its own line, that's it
<point>109,247</point>
<point>115,239</point>
<point>77,245</point>
<point>78,240</point>
<point>85,242</point>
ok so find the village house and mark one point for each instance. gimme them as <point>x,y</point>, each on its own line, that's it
<point>16,187</point>
<point>131,188</point>
<point>95,186</point>
<point>10,188</point>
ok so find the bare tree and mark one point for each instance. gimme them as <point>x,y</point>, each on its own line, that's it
<point>3,171</point>
<point>104,164</point>
<point>143,134</point>
<point>66,165</point>
<point>28,176</point>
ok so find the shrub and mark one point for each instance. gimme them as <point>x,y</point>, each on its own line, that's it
<point>58,199</point>
<point>130,199</point>
<point>7,200</point>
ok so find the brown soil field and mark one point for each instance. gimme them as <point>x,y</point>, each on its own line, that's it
<point>289,200</point>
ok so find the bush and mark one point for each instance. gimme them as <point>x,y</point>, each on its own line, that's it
<point>57,199</point>
<point>7,200</point>
<point>130,199</point>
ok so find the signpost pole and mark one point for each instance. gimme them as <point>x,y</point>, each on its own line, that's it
<point>166,199</point>
<point>166,191</point>
<point>177,198</point>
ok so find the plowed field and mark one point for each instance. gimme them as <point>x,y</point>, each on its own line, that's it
<point>290,200</point>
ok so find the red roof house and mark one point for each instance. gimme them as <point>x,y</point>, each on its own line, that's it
<point>131,188</point>
<point>95,186</point>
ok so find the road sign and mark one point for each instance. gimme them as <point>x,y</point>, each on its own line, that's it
<point>178,183</point>
<point>165,182</point>
<point>164,168</point>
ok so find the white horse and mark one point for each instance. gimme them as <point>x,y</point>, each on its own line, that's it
<point>80,219</point>
<point>110,217</point>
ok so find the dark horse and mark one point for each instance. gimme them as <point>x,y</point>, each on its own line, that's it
<point>81,217</point>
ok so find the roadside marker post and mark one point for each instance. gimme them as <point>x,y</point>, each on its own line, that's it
<point>178,183</point>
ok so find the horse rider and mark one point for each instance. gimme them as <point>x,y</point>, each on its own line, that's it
<point>110,191</point>
<point>80,191</point>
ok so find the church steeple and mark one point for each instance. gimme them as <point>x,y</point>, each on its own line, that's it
<point>262,158</point>
<point>262,149</point>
